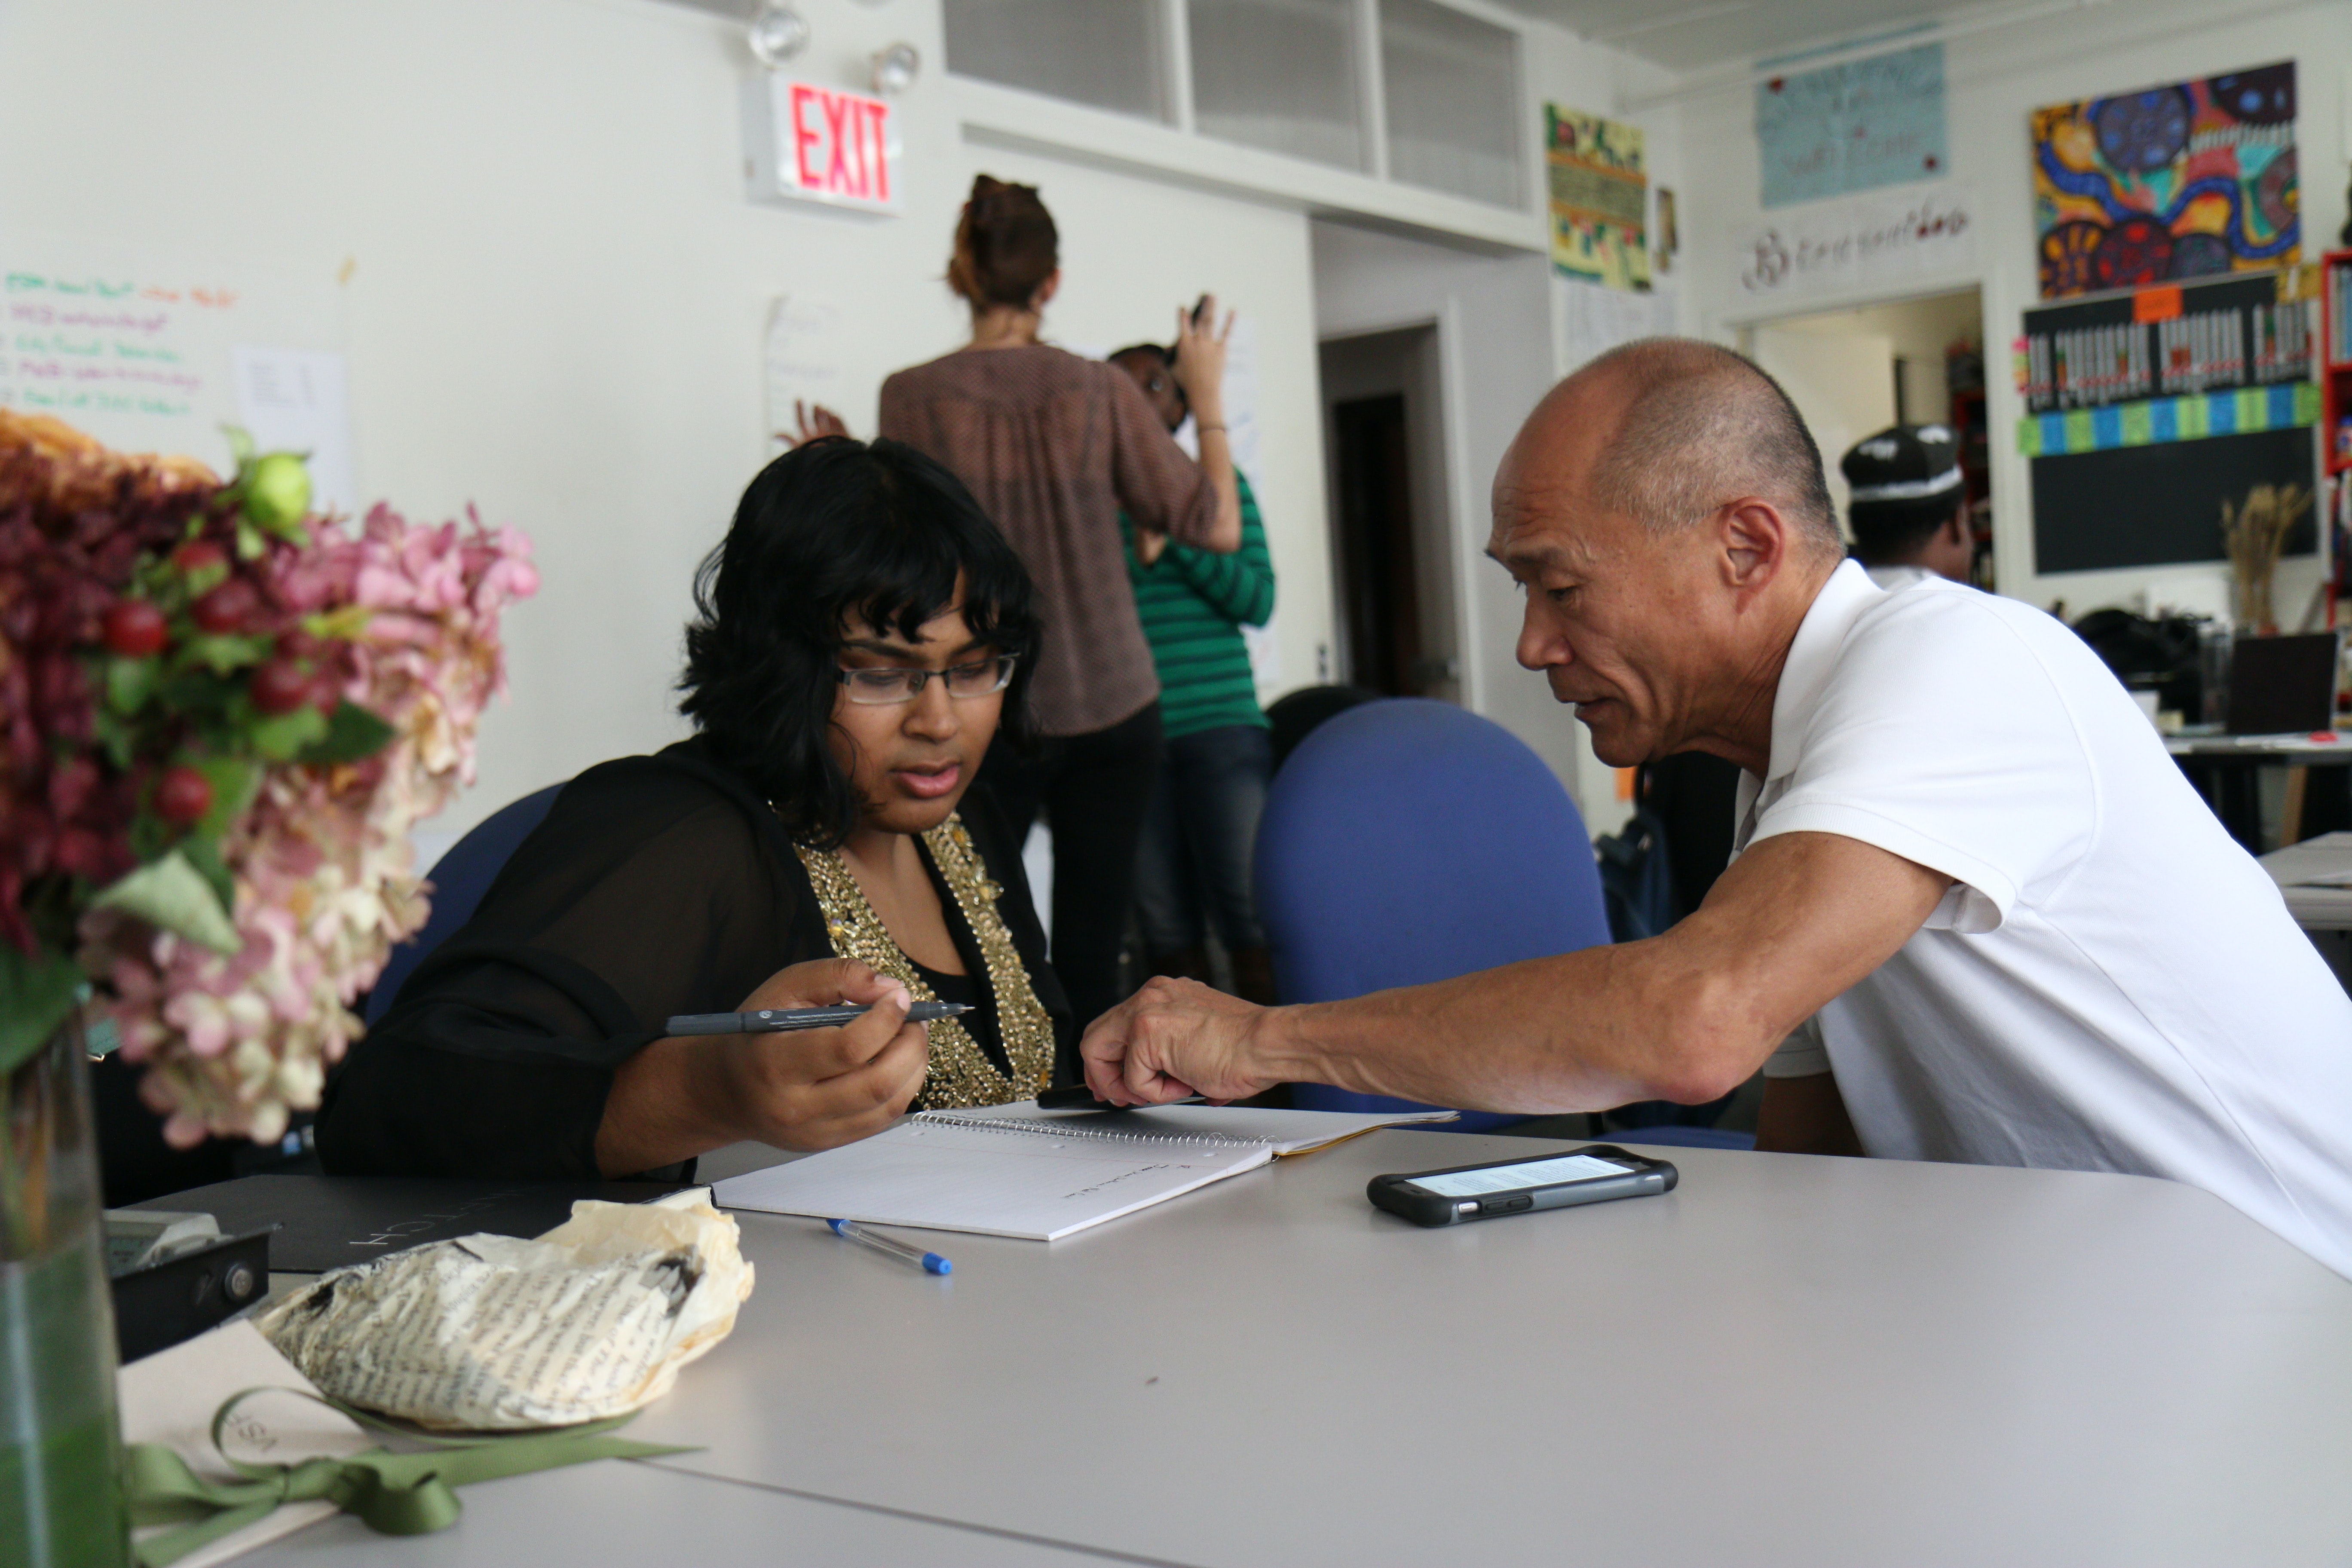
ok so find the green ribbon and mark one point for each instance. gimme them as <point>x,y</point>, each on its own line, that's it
<point>393,1494</point>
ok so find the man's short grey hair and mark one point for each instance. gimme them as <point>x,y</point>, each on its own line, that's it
<point>1699,426</point>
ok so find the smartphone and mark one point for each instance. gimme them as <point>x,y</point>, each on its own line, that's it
<point>1592,1175</point>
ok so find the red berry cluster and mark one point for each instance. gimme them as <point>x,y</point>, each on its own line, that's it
<point>73,528</point>
<point>141,650</point>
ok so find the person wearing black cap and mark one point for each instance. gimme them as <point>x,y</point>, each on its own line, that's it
<point>1908,506</point>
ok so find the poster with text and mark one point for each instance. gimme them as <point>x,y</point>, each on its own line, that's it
<point>1852,127</point>
<point>2170,182</point>
<point>1600,198</point>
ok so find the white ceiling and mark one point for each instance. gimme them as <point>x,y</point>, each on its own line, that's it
<point>1691,35</point>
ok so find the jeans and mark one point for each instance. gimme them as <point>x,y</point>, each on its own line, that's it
<point>1093,789</point>
<point>1193,871</point>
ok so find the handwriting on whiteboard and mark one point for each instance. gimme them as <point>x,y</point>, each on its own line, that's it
<point>79,344</point>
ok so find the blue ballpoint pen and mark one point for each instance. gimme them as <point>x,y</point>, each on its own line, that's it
<point>929,1262</point>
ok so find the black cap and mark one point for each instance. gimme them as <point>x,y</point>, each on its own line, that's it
<point>1906,462</point>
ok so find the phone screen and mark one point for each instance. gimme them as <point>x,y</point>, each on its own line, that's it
<point>1526,1174</point>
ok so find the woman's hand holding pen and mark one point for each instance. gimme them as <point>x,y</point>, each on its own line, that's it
<point>816,1089</point>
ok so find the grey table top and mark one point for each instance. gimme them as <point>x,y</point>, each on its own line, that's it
<point>2297,748</point>
<point>633,1513</point>
<point>2315,908</point>
<point>1787,1361</point>
<point>1795,1360</point>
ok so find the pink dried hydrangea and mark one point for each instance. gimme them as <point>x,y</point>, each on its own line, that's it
<point>325,884</point>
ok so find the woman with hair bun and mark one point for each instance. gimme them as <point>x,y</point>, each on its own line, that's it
<point>1054,445</point>
<point>863,633</point>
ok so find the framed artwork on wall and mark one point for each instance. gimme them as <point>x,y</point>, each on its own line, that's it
<point>2169,182</point>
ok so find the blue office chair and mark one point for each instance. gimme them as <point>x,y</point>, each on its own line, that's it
<point>1406,841</point>
<point>459,879</point>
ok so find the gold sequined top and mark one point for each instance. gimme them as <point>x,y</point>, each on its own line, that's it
<point>961,1073</point>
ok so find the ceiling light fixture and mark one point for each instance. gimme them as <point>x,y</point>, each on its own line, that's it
<point>777,34</point>
<point>894,68</point>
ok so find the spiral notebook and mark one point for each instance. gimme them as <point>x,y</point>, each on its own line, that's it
<point>1039,1176</point>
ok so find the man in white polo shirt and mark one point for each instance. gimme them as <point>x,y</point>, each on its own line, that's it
<point>1962,848</point>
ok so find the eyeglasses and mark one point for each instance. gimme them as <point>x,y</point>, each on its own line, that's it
<point>878,688</point>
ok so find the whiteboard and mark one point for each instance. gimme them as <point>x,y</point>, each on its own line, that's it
<point>149,351</point>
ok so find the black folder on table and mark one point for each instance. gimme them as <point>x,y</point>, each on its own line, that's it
<point>326,1222</point>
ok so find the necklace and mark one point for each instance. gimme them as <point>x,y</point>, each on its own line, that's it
<point>960,1073</point>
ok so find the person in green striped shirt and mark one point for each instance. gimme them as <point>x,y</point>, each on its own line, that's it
<point>1192,871</point>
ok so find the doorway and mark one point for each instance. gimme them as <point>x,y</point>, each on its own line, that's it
<point>1384,449</point>
<point>1913,362</point>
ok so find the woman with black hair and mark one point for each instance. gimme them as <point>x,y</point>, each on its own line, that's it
<point>864,633</point>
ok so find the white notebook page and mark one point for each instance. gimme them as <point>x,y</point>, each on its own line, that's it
<point>1289,1131</point>
<point>1031,1185</point>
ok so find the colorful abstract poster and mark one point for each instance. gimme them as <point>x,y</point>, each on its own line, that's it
<point>2171,183</point>
<point>1600,198</point>
<point>1852,127</point>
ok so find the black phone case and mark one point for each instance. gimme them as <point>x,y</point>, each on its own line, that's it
<point>1650,1177</point>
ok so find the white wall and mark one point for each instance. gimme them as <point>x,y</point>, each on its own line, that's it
<point>1493,317</point>
<point>1497,347</point>
<point>1995,79</point>
<point>558,289</point>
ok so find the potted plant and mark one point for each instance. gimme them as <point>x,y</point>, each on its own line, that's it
<point>220,716</point>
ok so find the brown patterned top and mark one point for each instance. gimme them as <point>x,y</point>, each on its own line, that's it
<point>1053,447</point>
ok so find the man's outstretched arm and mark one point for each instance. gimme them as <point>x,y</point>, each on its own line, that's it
<point>1685,1016</point>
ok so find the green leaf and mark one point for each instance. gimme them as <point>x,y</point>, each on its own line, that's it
<point>36,994</point>
<point>249,543</point>
<point>130,682</point>
<point>282,737</point>
<point>171,894</point>
<point>205,579</point>
<point>353,733</point>
<point>115,736</point>
<point>205,855</point>
<point>234,781</point>
<point>339,626</point>
<point>224,653</point>
<point>240,444</point>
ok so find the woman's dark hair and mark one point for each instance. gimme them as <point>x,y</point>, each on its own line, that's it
<point>830,535</point>
<point>1005,244</point>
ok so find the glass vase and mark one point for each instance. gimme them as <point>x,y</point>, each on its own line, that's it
<point>60,1494</point>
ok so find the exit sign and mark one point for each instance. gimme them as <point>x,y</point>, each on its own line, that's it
<point>818,143</point>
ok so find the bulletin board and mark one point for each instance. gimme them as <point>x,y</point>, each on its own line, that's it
<point>2147,408</point>
<point>2156,506</point>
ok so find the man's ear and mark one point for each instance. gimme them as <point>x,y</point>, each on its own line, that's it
<point>1755,543</point>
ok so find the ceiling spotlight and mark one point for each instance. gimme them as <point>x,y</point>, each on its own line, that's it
<point>894,68</point>
<point>777,35</point>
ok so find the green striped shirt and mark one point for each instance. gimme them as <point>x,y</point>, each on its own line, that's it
<point>1194,605</point>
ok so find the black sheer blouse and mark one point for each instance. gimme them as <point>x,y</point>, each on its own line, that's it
<point>657,886</point>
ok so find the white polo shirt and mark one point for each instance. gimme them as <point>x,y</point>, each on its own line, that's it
<point>2112,983</point>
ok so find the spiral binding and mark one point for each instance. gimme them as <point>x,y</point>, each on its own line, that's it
<point>1064,1130</point>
